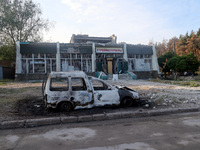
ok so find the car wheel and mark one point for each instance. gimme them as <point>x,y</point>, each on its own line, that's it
<point>127,102</point>
<point>65,106</point>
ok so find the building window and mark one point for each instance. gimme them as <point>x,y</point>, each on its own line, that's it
<point>76,62</point>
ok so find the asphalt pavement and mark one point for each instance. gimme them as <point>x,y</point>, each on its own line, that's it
<point>165,132</point>
<point>30,123</point>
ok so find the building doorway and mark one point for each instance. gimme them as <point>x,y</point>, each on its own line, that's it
<point>110,65</point>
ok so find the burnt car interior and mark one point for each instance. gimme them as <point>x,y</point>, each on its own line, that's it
<point>59,84</point>
<point>78,84</point>
<point>98,85</point>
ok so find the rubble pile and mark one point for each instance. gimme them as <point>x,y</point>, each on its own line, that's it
<point>164,95</point>
<point>124,77</point>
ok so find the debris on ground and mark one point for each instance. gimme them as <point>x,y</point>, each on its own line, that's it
<point>24,100</point>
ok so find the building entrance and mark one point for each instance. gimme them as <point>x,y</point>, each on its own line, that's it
<point>110,65</point>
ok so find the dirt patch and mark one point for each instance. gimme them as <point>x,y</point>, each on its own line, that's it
<point>31,106</point>
<point>24,100</point>
<point>34,106</point>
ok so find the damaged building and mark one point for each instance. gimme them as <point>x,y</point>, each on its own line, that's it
<point>85,53</point>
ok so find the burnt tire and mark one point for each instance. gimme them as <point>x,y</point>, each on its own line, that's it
<point>127,102</point>
<point>65,106</point>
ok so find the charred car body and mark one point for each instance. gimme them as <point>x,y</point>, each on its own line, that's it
<point>75,90</point>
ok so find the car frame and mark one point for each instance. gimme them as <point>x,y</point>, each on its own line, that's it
<point>76,90</point>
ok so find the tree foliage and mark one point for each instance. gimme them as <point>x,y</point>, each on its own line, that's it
<point>185,44</point>
<point>172,63</point>
<point>184,63</point>
<point>163,59</point>
<point>20,20</point>
<point>7,52</point>
<point>192,62</point>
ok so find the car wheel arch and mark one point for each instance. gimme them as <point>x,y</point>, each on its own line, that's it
<point>61,103</point>
<point>127,101</point>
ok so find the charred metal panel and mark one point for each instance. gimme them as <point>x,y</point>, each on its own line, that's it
<point>104,93</point>
<point>106,97</point>
<point>127,92</point>
<point>77,98</point>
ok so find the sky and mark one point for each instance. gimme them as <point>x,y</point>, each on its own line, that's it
<point>132,21</point>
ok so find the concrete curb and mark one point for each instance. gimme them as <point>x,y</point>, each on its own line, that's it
<point>95,117</point>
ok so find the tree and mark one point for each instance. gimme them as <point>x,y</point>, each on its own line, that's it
<point>171,43</point>
<point>192,62</point>
<point>162,61</point>
<point>184,63</point>
<point>161,48</point>
<point>7,52</point>
<point>181,45</point>
<point>20,20</point>
<point>172,63</point>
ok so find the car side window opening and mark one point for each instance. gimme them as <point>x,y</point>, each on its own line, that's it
<point>78,84</point>
<point>98,85</point>
<point>59,84</point>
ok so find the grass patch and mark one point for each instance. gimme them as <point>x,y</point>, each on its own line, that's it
<point>159,100</point>
<point>175,82</point>
<point>197,78</point>
<point>5,81</point>
<point>15,90</point>
<point>194,84</point>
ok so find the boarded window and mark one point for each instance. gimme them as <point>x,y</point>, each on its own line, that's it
<point>59,84</point>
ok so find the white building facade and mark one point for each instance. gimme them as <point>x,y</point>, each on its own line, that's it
<point>33,60</point>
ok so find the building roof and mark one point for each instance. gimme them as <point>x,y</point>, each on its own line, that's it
<point>34,48</point>
<point>50,48</point>
<point>139,49</point>
<point>83,48</point>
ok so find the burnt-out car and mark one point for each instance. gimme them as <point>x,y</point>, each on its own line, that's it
<point>76,90</point>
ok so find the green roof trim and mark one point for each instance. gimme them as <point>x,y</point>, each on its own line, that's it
<point>24,42</point>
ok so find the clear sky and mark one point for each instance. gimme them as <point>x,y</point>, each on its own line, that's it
<point>132,21</point>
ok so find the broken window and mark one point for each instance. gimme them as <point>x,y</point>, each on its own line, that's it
<point>131,64</point>
<point>98,85</point>
<point>59,84</point>
<point>76,62</point>
<point>78,84</point>
<point>38,63</point>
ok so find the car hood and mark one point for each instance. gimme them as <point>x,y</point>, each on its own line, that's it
<point>124,88</point>
<point>125,91</point>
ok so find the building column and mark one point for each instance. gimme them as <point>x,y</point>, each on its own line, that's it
<point>58,56</point>
<point>18,68</point>
<point>125,56</point>
<point>93,58</point>
<point>155,60</point>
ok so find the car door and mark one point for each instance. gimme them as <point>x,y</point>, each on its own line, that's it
<point>80,93</point>
<point>104,94</point>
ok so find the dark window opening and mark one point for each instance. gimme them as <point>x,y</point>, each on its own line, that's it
<point>59,84</point>
<point>98,85</point>
<point>78,84</point>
